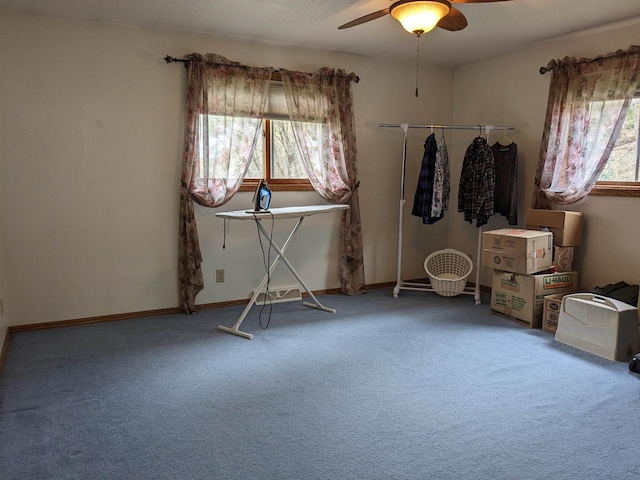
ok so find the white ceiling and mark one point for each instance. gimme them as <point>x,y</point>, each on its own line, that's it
<point>494,28</point>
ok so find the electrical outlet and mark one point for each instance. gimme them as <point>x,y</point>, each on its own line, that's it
<point>220,276</point>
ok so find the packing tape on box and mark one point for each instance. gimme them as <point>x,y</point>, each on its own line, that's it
<point>539,253</point>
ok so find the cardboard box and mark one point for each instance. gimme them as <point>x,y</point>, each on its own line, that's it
<point>551,312</point>
<point>563,259</point>
<point>517,250</point>
<point>521,297</point>
<point>565,226</point>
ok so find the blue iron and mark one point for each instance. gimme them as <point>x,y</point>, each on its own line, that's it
<point>262,197</point>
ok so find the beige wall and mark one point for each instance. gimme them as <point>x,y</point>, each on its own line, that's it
<point>91,119</point>
<point>91,123</point>
<point>4,316</point>
<point>510,90</point>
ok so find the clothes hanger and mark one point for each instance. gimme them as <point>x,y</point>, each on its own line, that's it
<point>505,141</point>
<point>487,131</point>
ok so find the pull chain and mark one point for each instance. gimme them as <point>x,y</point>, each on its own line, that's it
<point>417,62</point>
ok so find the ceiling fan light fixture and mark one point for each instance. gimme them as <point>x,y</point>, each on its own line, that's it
<point>419,17</point>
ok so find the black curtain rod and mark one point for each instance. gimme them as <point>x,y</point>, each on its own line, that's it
<point>170,59</point>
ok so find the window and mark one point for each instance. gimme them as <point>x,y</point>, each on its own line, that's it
<point>277,159</point>
<point>621,175</point>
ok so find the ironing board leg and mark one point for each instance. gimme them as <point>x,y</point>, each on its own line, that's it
<point>281,256</point>
<point>235,329</point>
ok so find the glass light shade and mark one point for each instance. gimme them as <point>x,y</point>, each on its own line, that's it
<point>420,17</point>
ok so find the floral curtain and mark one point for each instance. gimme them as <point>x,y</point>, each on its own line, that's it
<point>588,101</point>
<point>225,106</point>
<point>321,110</point>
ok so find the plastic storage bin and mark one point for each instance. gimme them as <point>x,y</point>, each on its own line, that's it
<point>599,325</point>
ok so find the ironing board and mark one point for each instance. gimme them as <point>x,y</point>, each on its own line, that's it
<point>277,214</point>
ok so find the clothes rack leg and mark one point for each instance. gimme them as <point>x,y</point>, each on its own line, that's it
<point>476,293</point>
<point>399,282</point>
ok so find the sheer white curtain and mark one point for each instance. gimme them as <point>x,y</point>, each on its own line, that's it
<point>225,106</point>
<point>588,101</point>
<point>321,110</point>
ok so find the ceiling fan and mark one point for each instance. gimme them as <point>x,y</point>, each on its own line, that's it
<point>418,16</point>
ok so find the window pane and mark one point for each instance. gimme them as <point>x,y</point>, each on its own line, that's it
<point>286,162</point>
<point>225,154</point>
<point>622,165</point>
<point>256,167</point>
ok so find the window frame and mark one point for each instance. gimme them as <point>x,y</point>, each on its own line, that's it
<point>615,188</point>
<point>275,184</point>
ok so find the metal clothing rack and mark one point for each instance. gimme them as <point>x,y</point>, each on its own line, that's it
<point>426,287</point>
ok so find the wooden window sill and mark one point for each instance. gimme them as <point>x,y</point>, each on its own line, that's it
<point>616,189</point>
<point>279,185</point>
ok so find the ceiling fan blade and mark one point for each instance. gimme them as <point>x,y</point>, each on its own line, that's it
<point>365,19</point>
<point>454,21</point>
<point>477,1</point>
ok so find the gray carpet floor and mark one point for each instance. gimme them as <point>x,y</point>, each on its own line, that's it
<point>419,387</point>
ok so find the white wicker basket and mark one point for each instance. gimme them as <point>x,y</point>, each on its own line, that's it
<point>448,271</point>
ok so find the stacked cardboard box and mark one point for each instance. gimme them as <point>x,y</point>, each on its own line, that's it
<point>551,312</point>
<point>521,297</point>
<point>567,233</point>
<point>523,272</point>
<point>517,250</point>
